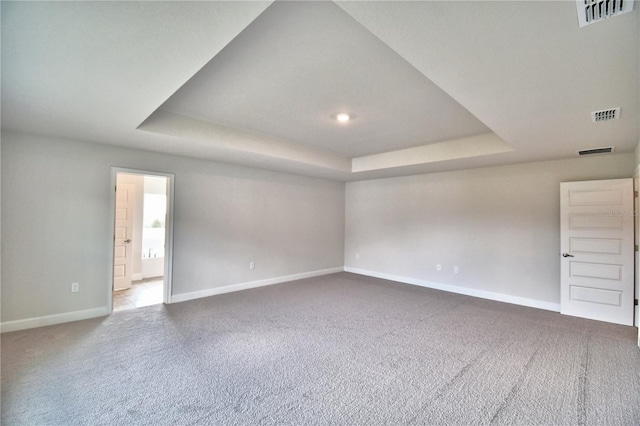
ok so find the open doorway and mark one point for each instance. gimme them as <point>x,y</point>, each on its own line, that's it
<point>142,230</point>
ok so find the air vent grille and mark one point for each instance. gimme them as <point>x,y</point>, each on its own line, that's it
<point>605,115</point>
<point>605,150</point>
<point>592,11</point>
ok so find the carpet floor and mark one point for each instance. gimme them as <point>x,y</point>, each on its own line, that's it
<point>340,349</point>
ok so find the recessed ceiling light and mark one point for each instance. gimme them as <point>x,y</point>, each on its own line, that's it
<point>343,117</point>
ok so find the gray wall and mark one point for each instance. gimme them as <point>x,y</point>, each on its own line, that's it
<point>55,222</point>
<point>499,225</point>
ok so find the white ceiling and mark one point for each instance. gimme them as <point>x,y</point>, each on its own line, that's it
<point>433,85</point>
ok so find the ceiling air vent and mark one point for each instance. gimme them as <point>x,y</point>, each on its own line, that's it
<point>606,150</point>
<point>605,115</point>
<point>591,11</point>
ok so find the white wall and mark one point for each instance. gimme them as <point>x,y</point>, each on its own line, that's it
<point>55,218</point>
<point>499,225</point>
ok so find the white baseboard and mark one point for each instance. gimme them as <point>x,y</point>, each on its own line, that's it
<point>251,284</point>
<point>500,297</point>
<point>97,312</point>
<point>152,275</point>
<point>52,319</point>
<point>137,277</point>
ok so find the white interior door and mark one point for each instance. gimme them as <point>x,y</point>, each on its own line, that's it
<point>122,252</point>
<point>597,249</point>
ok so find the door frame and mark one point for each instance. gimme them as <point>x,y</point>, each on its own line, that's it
<point>636,241</point>
<point>168,242</point>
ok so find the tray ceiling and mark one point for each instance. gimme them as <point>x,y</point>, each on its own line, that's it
<point>431,86</point>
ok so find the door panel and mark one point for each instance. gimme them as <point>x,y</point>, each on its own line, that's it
<point>591,271</point>
<point>122,254</point>
<point>597,243</point>
<point>594,221</point>
<point>594,198</point>
<point>595,295</point>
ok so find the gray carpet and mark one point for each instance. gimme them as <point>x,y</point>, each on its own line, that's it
<point>340,349</point>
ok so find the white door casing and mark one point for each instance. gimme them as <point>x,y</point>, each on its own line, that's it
<point>636,206</point>
<point>123,231</point>
<point>597,249</point>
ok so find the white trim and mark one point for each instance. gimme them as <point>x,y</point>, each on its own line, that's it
<point>251,284</point>
<point>140,277</point>
<point>112,232</point>
<point>168,239</point>
<point>500,297</point>
<point>106,310</point>
<point>147,276</point>
<point>636,240</point>
<point>53,319</point>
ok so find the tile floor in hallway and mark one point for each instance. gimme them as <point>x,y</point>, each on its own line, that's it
<point>142,293</point>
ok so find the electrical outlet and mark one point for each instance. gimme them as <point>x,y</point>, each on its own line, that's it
<point>252,265</point>
<point>75,287</point>
<point>455,269</point>
<point>439,267</point>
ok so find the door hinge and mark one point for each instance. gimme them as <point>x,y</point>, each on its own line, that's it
<point>635,194</point>
<point>635,302</point>
<point>635,247</point>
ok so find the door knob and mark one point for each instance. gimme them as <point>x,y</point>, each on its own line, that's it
<point>128,240</point>
<point>567,255</point>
